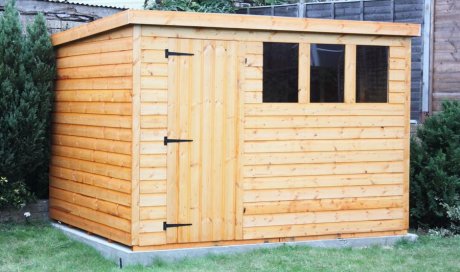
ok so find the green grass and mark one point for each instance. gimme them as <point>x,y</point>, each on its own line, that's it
<point>42,248</point>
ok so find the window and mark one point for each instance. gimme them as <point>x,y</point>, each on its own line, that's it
<point>327,73</point>
<point>280,72</point>
<point>372,74</point>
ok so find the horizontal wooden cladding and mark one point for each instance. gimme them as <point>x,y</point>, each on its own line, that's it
<point>323,229</point>
<point>153,213</point>
<point>105,108</point>
<point>95,47</point>
<point>321,217</point>
<point>323,169</point>
<point>103,83</point>
<point>154,108</point>
<point>154,56</point>
<point>116,172</point>
<point>322,193</point>
<point>149,148</point>
<point>102,71</point>
<point>323,145</point>
<point>93,96</point>
<point>92,155</point>
<point>153,238</point>
<point>90,226</point>
<point>291,182</point>
<point>146,226</point>
<point>101,120</point>
<point>317,205</point>
<point>154,121</point>
<point>322,121</point>
<point>152,200</point>
<point>108,58</point>
<point>272,36</point>
<point>156,96</point>
<point>153,160</point>
<point>121,186</point>
<point>314,109</point>
<point>90,214</point>
<point>95,204</point>
<point>154,69</point>
<point>153,174</point>
<point>91,191</point>
<point>152,187</point>
<point>157,83</point>
<point>104,133</point>
<point>154,135</point>
<point>110,35</point>
<point>111,146</point>
<point>269,134</point>
<point>155,43</point>
<point>323,157</point>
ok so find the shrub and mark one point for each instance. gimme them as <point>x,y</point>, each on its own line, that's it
<point>435,169</point>
<point>215,6</point>
<point>26,85</point>
<point>13,194</point>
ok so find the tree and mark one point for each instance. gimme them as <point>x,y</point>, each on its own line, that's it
<point>216,6</point>
<point>40,63</point>
<point>26,76</point>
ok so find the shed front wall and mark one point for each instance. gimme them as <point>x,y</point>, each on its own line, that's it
<point>303,170</point>
<point>90,171</point>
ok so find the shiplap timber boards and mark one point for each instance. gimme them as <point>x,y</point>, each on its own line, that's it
<point>90,172</point>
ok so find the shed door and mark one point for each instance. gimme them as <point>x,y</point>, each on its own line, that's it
<point>202,106</point>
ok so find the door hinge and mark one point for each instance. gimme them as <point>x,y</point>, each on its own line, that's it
<point>171,53</point>
<point>166,140</point>
<point>166,225</point>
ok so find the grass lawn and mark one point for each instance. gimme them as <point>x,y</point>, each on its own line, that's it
<point>40,247</point>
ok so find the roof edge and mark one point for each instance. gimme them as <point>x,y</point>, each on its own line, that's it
<point>235,21</point>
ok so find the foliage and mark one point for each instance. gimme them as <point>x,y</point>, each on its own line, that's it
<point>26,76</point>
<point>14,194</point>
<point>435,169</point>
<point>214,6</point>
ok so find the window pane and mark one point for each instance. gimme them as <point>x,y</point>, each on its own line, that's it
<point>280,72</point>
<point>327,73</point>
<point>372,74</point>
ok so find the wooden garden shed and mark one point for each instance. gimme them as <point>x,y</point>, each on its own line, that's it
<point>180,129</point>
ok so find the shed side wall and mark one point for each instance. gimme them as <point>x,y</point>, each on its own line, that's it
<point>90,172</point>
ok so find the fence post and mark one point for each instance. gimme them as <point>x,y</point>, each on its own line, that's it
<point>392,10</point>
<point>301,9</point>
<point>333,10</point>
<point>361,10</point>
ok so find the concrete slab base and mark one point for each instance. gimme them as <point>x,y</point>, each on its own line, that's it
<point>123,255</point>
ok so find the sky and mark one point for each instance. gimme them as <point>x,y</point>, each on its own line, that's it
<point>135,4</point>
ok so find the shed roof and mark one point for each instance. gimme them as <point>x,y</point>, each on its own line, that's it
<point>235,21</point>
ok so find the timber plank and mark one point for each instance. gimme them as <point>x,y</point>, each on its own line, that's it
<point>322,193</point>
<point>83,223</point>
<point>91,191</point>
<point>318,205</point>
<point>322,229</point>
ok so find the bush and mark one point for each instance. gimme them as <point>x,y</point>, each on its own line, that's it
<point>435,169</point>
<point>13,194</point>
<point>26,86</point>
<point>215,6</point>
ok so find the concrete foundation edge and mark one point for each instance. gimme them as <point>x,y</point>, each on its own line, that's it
<point>125,256</point>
